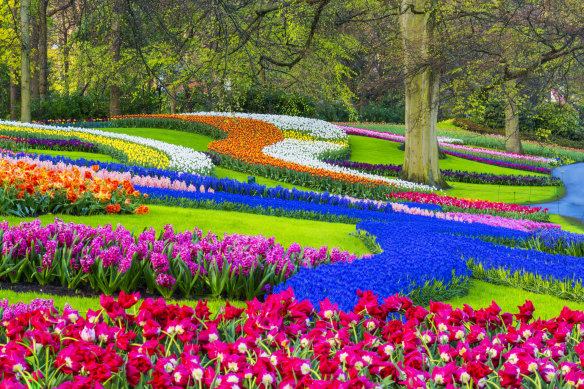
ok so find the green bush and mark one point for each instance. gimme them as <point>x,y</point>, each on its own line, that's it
<point>561,120</point>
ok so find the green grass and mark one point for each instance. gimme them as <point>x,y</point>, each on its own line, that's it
<point>379,151</point>
<point>506,193</point>
<point>480,296</point>
<point>193,141</point>
<point>83,304</point>
<point>226,173</point>
<point>482,293</point>
<point>75,155</point>
<point>285,230</point>
<point>568,223</point>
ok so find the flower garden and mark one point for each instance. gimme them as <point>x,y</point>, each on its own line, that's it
<point>218,250</point>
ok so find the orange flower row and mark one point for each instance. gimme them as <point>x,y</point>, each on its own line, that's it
<point>29,179</point>
<point>246,138</point>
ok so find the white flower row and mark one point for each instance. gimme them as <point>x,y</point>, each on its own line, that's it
<point>315,127</point>
<point>445,139</point>
<point>180,158</point>
<point>306,153</point>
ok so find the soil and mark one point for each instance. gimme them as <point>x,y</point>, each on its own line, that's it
<point>55,290</point>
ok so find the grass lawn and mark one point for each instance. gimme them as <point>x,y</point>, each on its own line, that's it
<point>380,151</point>
<point>480,296</point>
<point>506,193</point>
<point>193,141</point>
<point>568,223</point>
<point>285,230</point>
<point>482,293</point>
<point>83,304</point>
<point>373,150</point>
<point>75,155</point>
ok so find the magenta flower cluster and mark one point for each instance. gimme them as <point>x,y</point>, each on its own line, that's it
<point>108,259</point>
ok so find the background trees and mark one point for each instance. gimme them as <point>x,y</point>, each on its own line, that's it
<point>415,61</point>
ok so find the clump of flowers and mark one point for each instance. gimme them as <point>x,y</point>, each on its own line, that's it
<point>29,190</point>
<point>108,260</point>
<point>284,342</point>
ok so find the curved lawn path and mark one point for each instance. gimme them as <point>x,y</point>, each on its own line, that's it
<point>573,203</point>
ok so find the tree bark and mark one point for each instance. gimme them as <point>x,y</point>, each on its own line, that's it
<point>25,61</point>
<point>43,50</point>
<point>66,60</point>
<point>422,88</point>
<point>512,134</point>
<point>115,107</point>
<point>173,93</point>
<point>13,96</point>
<point>35,59</point>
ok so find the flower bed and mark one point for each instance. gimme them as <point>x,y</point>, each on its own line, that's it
<point>316,128</point>
<point>48,144</point>
<point>107,260</point>
<point>455,175</point>
<point>468,204</point>
<point>159,178</point>
<point>502,155</point>
<point>244,149</point>
<point>29,190</point>
<point>425,258</point>
<point>209,184</point>
<point>310,153</point>
<point>132,149</point>
<point>389,136</point>
<point>287,342</point>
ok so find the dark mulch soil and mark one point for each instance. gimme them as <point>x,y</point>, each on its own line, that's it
<point>55,290</point>
<point>23,287</point>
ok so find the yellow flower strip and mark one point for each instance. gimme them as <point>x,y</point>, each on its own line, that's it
<point>306,137</point>
<point>136,154</point>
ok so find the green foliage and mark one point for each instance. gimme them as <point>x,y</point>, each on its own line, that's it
<point>65,106</point>
<point>4,92</point>
<point>547,121</point>
<point>169,124</point>
<point>559,120</point>
<point>567,289</point>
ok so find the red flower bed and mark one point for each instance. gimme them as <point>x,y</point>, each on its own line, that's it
<point>286,343</point>
<point>432,198</point>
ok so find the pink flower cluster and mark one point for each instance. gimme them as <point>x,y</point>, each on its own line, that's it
<point>496,221</point>
<point>9,311</point>
<point>285,343</point>
<point>432,198</point>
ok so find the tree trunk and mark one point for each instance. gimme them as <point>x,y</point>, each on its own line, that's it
<point>172,94</point>
<point>115,109</point>
<point>66,61</point>
<point>13,96</point>
<point>43,51</point>
<point>25,61</point>
<point>512,134</point>
<point>422,88</point>
<point>34,45</point>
